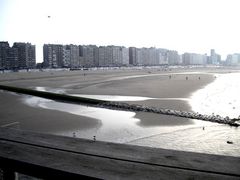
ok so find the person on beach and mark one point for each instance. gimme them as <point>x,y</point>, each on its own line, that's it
<point>74,134</point>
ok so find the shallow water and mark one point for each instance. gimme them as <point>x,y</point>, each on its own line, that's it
<point>113,97</point>
<point>125,98</point>
<point>124,127</point>
<point>220,97</point>
<point>116,126</point>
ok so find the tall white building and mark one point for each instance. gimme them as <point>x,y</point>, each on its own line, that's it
<point>116,56</point>
<point>101,56</point>
<point>87,53</point>
<point>233,59</point>
<point>125,56</point>
<point>173,57</point>
<point>214,57</point>
<point>52,54</point>
<point>139,57</point>
<point>163,56</point>
<point>74,56</point>
<point>194,59</point>
<point>66,56</point>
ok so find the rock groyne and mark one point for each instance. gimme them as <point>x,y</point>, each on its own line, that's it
<point>185,114</point>
<point>121,106</point>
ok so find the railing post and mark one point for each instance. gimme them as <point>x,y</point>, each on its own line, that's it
<point>7,174</point>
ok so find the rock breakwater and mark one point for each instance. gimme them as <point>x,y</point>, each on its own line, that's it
<point>121,106</point>
<point>185,114</point>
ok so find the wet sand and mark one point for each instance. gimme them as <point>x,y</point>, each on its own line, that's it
<point>99,83</point>
<point>38,119</point>
<point>154,120</point>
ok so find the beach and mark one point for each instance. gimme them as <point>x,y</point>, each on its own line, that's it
<point>164,89</point>
<point>154,85</point>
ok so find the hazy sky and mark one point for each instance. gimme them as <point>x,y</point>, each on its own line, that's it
<point>183,25</point>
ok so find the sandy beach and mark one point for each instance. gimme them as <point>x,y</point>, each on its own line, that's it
<point>140,128</point>
<point>119,82</point>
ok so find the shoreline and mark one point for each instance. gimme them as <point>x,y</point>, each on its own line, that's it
<point>103,83</point>
<point>126,106</point>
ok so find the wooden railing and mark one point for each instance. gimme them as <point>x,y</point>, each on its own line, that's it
<point>54,157</point>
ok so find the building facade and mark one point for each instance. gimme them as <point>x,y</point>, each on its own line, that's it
<point>88,55</point>
<point>66,56</point>
<point>133,56</point>
<point>173,57</point>
<point>53,55</point>
<point>19,56</point>
<point>26,55</point>
<point>12,60</point>
<point>233,59</point>
<point>125,56</point>
<point>74,56</point>
<point>194,59</point>
<point>4,46</point>
<point>214,57</point>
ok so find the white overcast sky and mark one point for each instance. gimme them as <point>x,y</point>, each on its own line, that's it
<point>182,25</point>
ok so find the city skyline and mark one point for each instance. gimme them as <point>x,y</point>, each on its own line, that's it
<point>185,26</point>
<point>22,56</point>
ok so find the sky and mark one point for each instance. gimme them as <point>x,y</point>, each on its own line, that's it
<point>184,25</point>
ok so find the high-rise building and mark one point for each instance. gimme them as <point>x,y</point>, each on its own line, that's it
<point>74,56</point>
<point>47,55</point>
<point>125,55</point>
<point>145,56</point>
<point>214,57</point>
<point>233,59</point>
<point>20,56</point>
<point>139,57</point>
<point>101,56</point>
<point>53,55</point>
<point>32,56</point>
<point>163,56</point>
<point>173,57</point>
<point>12,58</point>
<point>153,56</point>
<point>108,54</point>
<point>89,55</point>
<point>96,56</point>
<point>66,56</point>
<point>4,46</point>
<point>132,55</point>
<point>26,55</point>
<point>116,56</point>
<point>194,59</point>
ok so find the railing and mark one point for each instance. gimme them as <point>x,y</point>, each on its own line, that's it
<point>56,157</point>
